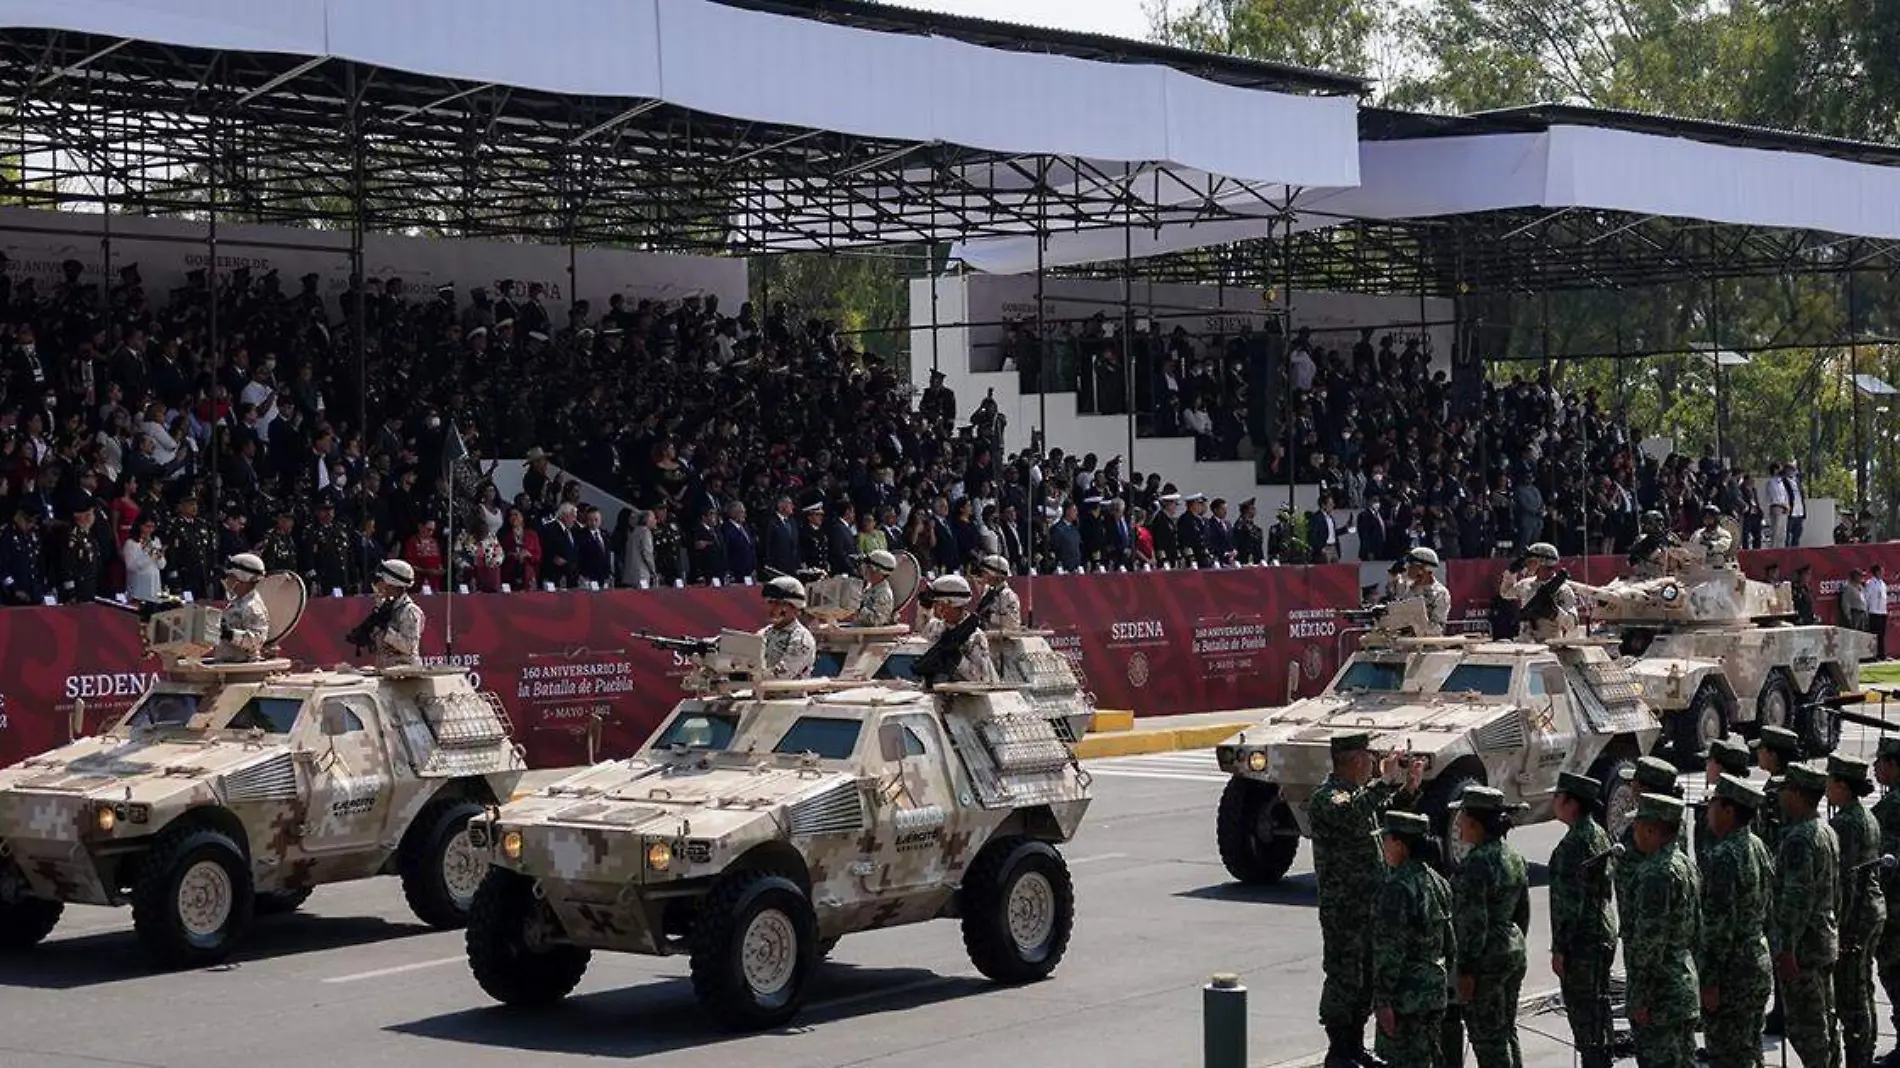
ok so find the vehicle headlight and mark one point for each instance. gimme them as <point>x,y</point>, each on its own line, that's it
<point>659,856</point>
<point>511,845</point>
<point>105,819</point>
<point>1257,761</point>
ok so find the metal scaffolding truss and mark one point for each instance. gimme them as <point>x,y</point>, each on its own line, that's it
<point>148,128</point>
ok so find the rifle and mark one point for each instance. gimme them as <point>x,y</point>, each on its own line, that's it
<point>941,658</point>
<point>1543,603</point>
<point>691,646</point>
<point>1645,547</point>
<point>377,619</point>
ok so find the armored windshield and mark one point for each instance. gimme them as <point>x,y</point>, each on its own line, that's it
<point>700,730</point>
<point>1377,676</point>
<point>164,708</point>
<point>830,739</point>
<point>1492,680</point>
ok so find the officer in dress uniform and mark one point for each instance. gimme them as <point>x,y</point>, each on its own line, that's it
<point>949,603</point>
<point>878,606</point>
<point>194,548</point>
<point>1521,586</point>
<point>22,576</point>
<point>79,564</point>
<point>398,640</point>
<point>246,619</point>
<point>790,650</point>
<point>1005,610</point>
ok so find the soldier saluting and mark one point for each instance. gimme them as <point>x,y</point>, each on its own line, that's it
<point>1542,617</point>
<point>246,622</point>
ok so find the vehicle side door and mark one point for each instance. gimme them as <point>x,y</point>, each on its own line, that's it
<point>918,790</point>
<point>1550,729</point>
<point>351,785</point>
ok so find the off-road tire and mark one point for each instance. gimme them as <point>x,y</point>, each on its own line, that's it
<point>155,897</point>
<point>1819,725</point>
<point>1435,806</point>
<point>1243,805</point>
<point>280,902</point>
<point>1692,729</point>
<point>1619,796</point>
<point>826,946</point>
<point>504,965</point>
<point>985,903</point>
<point>25,923</point>
<point>720,931</point>
<point>420,862</point>
<point>1776,684</point>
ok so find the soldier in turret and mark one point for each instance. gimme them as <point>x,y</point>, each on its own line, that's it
<point>790,650</point>
<point>397,639</point>
<point>1717,545</point>
<point>1005,610</point>
<point>1650,556</point>
<point>246,619</point>
<point>1421,583</point>
<point>950,603</point>
<point>1522,584</point>
<point>878,606</point>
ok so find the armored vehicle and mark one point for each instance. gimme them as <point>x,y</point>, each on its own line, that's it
<point>765,820</point>
<point>1717,651</point>
<point>232,789</point>
<point>1509,715</point>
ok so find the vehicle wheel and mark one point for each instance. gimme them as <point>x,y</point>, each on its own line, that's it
<point>754,946</point>
<point>510,943</point>
<point>1256,832</point>
<point>193,897</point>
<point>1018,909</point>
<point>440,871</point>
<point>1692,729</point>
<point>1774,707</point>
<point>825,947</point>
<point>26,921</point>
<point>280,902</point>
<point>1436,807</point>
<point>1820,725</point>
<point>1619,794</point>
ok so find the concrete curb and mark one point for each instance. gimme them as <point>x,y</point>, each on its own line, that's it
<point>1163,740</point>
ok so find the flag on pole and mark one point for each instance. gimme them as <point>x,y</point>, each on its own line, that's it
<point>453,450</point>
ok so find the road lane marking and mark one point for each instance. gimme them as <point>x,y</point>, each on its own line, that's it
<point>397,970</point>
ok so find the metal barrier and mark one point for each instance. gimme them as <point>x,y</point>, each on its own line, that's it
<point>1224,1023</point>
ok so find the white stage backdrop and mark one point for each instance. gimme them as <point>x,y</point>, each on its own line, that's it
<point>37,242</point>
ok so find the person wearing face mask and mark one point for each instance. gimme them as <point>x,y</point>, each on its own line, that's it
<point>246,618</point>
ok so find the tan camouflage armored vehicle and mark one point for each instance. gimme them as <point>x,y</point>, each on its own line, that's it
<point>764,821</point>
<point>231,789</point>
<point>1717,651</point>
<point>1504,714</point>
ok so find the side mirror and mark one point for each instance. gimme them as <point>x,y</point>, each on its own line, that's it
<point>76,720</point>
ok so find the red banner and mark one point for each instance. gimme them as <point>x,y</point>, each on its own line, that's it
<point>1157,643</point>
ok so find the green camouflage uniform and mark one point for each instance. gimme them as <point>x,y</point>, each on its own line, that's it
<point>1863,911</point>
<point>1491,884</point>
<point>1347,870</point>
<point>1583,932</point>
<point>1411,962</point>
<point>1662,927</point>
<point>1887,954</point>
<point>1733,955</point>
<point>1807,872</point>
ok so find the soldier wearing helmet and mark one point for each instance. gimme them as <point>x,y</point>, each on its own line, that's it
<point>790,650</point>
<point>878,606</point>
<point>1420,582</point>
<point>1521,583</point>
<point>1005,610</point>
<point>1651,555</point>
<point>397,637</point>
<point>246,621</point>
<point>1718,547</point>
<point>949,604</point>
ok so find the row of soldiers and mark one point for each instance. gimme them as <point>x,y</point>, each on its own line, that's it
<point>1759,897</point>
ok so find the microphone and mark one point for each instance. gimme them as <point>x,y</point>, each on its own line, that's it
<point>1885,862</point>
<point>1616,852</point>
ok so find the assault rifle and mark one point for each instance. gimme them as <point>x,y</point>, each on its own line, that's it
<point>378,619</point>
<point>689,646</point>
<point>1645,547</point>
<point>1543,603</point>
<point>940,660</point>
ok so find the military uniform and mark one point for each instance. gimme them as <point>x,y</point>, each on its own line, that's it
<point>877,607</point>
<point>1583,925</point>
<point>1887,951</point>
<point>1863,913</point>
<point>1524,589</point>
<point>1803,935</point>
<point>79,568</point>
<point>193,545</point>
<point>790,651</point>
<point>1732,956</point>
<point>1005,611</point>
<point>331,553</point>
<point>399,641</point>
<point>1489,891</point>
<point>1655,776</point>
<point>1412,958</point>
<point>1718,548</point>
<point>1730,757</point>
<point>1347,871</point>
<point>1786,744</point>
<point>1663,925</point>
<point>246,625</point>
<point>975,665</point>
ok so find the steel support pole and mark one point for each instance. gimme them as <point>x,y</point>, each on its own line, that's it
<point>1224,1023</point>
<point>1286,367</point>
<point>211,323</point>
<point>1853,384</point>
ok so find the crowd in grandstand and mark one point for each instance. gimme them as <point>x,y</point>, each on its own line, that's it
<point>136,457</point>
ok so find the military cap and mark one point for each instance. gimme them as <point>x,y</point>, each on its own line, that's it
<point>1805,777</point>
<point>1483,799</point>
<point>1349,743</point>
<point>1739,790</point>
<point>1889,749</point>
<point>1780,740</point>
<point>1581,787</point>
<point>1406,824</point>
<point>1847,769</point>
<point>1652,773</point>
<point>1731,753</point>
<point>1659,807</point>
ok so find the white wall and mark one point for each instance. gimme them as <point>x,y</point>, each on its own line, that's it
<point>37,242</point>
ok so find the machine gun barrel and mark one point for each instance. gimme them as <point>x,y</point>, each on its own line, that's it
<point>142,609</point>
<point>696,646</point>
<point>1839,702</point>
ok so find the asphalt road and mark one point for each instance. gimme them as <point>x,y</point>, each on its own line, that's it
<point>354,979</point>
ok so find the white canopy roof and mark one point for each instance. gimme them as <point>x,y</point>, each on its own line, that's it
<point>1565,166</point>
<point>765,67</point>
